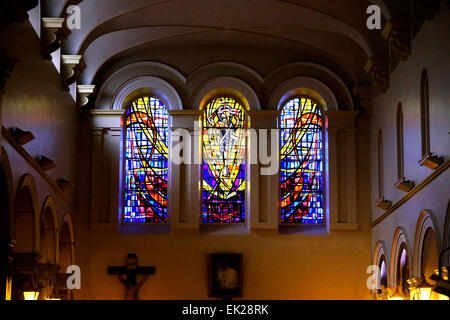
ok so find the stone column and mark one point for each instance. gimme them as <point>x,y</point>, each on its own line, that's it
<point>185,178</point>
<point>263,190</point>
<point>342,146</point>
<point>333,190</point>
<point>350,174</point>
<point>106,149</point>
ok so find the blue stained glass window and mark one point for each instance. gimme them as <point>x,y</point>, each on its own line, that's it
<point>301,134</point>
<point>146,162</point>
<point>223,185</point>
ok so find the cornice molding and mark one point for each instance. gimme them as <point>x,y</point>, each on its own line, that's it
<point>378,68</point>
<point>83,93</point>
<point>54,30</point>
<point>20,150</point>
<point>411,193</point>
<point>398,34</point>
<point>72,67</point>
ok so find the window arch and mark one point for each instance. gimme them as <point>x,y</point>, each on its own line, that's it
<point>302,167</point>
<point>400,144</point>
<point>403,271</point>
<point>224,145</point>
<point>146,161</point>
<point>425,113</point>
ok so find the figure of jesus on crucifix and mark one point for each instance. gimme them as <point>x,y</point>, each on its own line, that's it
<point>130,271</point>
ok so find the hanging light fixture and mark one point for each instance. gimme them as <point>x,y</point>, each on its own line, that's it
<point>442,286</point>
<point>30,295</point>
<point>30,291</point>
<point>396,295</point>
<point>426,290</point>
<point>414,288</point>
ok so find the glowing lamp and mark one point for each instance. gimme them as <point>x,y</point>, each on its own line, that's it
<point>396,295</point>
<point>425,290</point>
<point>30,295</point>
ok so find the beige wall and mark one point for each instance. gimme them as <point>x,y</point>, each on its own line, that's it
<point>34,101</point>
<point>429,50</point>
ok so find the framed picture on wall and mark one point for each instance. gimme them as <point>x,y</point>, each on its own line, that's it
<point>225,275</point>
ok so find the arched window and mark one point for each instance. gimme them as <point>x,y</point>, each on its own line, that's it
<point>302,167</point>
<point>383,273</point>
<point>425,112</point>
<point>400,152</point>
<point>224,144</point>
<point>146,162</point>
<point>380,164</point>
<point>403,272</point>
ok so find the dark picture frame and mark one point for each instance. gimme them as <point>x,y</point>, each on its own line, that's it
<point>225,275</point>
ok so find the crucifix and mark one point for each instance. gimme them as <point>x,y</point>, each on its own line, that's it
<point>131,270</point>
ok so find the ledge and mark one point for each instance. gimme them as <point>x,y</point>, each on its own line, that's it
<point>441,169</point>
<point>224,229</point>
<point>344,226</point>
<point>19,149</point>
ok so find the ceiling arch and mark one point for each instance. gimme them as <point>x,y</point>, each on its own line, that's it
<point>333,31</point>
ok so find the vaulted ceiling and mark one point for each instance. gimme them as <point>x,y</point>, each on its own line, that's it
<point>262,34</point>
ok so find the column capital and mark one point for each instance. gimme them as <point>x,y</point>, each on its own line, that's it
<point>364,94</point>
<point>398,33</point>
<point>83,93</point>
<point>54,30</point>
<point>72,67</point>
<point>378,68</point>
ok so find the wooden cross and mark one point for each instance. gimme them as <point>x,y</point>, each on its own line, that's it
<point>131,269</point>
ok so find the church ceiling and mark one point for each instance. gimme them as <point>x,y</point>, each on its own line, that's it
<point>332,33</point>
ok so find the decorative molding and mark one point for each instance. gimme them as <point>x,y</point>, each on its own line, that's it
<point>305,86</point>
<point>364,94</point>
<point>54,30</point>
<point>83,93</point>
<point>15,10</point>
<point>399,241</point>
<point>404,185</point>
<point>20,150</point>
<point>340,226</point>
<point>225,85</point>
<point>378,68</point>
<point>72,66</point>
<point>22,137</point>
<point>46,163</point>
<point>146,85</point>
<point>431,161</point>
<point>424,223</point>
<point>379,253</point>
<point>64,184</point>
<point>383,204</point>
<point>413,191</point>
<point>185,113</point>
<point>398,34</point>
<point>7,65</point>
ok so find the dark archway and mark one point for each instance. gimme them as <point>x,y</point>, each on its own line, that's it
<point>6,242</point>
<point>24,233</point>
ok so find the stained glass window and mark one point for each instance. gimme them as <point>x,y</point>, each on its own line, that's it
<point>224,123</point>
<point>301,162</point>
<point>146,162</point>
